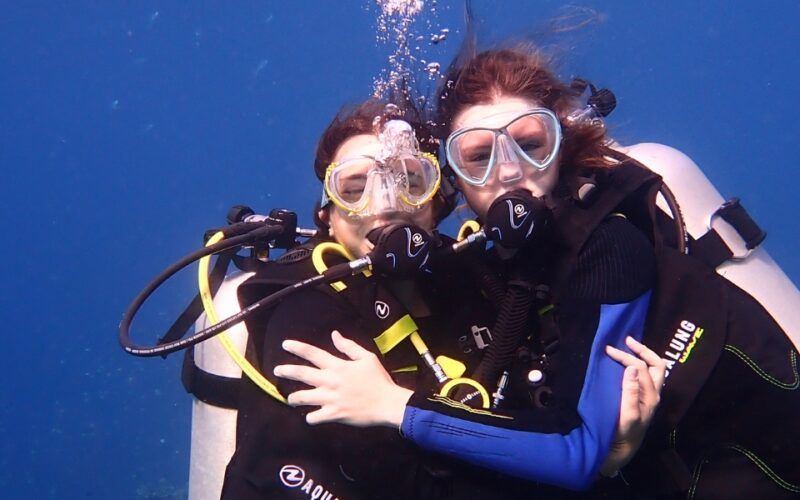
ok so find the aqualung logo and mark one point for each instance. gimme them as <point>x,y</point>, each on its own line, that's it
<point>417,239</point>
<point>519,209</point>
<point>381,309</point>
<point>682,343</point>
<point>293,477</point>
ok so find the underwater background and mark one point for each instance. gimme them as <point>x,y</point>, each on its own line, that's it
<point>129,128</point>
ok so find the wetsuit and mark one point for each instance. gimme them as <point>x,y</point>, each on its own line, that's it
<point>726,426</point>
<point>278,455</point>
<point>559,430</point>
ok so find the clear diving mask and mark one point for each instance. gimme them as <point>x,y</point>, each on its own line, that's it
<point>500,147</point>
<point>399,179</point>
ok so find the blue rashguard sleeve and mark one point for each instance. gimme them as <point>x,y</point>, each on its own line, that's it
<point>568,460</point>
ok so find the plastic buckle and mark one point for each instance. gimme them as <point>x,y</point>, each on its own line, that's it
<point>725,207</point>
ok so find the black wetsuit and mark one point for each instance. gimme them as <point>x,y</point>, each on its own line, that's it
<point>278,455</point>
<point>727,423</point>
<point>275,443</point>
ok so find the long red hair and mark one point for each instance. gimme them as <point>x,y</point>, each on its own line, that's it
<point>522,72</point>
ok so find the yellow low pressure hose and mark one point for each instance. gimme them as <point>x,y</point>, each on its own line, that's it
<point>211,313</point>
<point>467,228</point>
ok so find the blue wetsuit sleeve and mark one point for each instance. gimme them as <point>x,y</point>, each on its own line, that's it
<point>569,460</point>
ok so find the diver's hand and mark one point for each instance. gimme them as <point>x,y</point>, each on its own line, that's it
<point>355,391</point>
<point>641,393</point>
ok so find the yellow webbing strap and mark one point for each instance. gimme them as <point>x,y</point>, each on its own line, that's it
<point>446,388</point>
<point>406,369</point>
<point>318,259</point>
<point>211,313</point>
<point>546,309</point>
<point>395,334</point>
<point>467,228</point>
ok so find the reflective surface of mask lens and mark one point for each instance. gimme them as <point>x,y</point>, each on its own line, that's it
<point>417,177</point>
<point>349,179</point>
<point>477,150</point>
<point>356,183</point>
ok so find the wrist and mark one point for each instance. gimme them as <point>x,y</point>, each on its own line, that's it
<point>396,406</point>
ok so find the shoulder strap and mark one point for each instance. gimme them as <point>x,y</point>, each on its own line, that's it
<point>627,188</point>
<point>215,390</point>
<point>712,249</point>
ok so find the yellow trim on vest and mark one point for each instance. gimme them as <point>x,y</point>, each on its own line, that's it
<point>453,368</point>
<point>546,309</point>
<point>211,313</point>
<point>406,369</point>
<point>395,334</point>
<point>471,225</point>
<point>446,388</point>
<point>461,406</point>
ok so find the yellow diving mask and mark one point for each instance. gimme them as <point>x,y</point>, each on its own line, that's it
<point>400,179</point>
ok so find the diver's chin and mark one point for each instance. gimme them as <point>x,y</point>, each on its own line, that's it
<point>364,248</point>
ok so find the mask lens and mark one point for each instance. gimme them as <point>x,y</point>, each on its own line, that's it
<point>474,152</point>
<point>471,152</point>
<point>349,179</point>
<point>536,136</point>
<point>418,177</point>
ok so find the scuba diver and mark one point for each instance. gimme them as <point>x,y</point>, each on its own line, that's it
<point>377,183</point>
<point>378,177</point>
<point>583,255</point>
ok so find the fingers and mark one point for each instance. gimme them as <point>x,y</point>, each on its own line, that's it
<point>657,366</point>
<point>305,374</point>
<point>348,347</point>
<point>308,397</point>
<point>625,358</point>
<point>321,416</point>
<point>629,408</point>
<point>642,350</point>
<point>316,356</point>
<point>648,393</point>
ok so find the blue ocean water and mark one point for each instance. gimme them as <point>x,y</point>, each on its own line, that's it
<point>128,128</point>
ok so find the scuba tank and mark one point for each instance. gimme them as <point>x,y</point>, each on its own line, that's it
<point>213,438</point>
<point>722,230</point>
<point>705,212</point>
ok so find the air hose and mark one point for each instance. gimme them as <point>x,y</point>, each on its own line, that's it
<point>211,313</point>
<point>507,333</point>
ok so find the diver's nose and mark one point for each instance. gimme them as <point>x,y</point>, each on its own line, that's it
<point>384,199</point>
<point>508,165</point>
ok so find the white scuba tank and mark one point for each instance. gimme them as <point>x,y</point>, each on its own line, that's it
<point>214,428</point>
<point>698,199</point>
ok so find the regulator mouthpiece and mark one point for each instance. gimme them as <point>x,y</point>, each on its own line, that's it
<point>401,250</point>
<point>517,218</point>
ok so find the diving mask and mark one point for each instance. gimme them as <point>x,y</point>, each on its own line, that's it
<point>503,145</point>
<point>399,179</point>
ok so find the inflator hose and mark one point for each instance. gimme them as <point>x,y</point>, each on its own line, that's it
<point>488,281</point>
<point>681,234</point>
